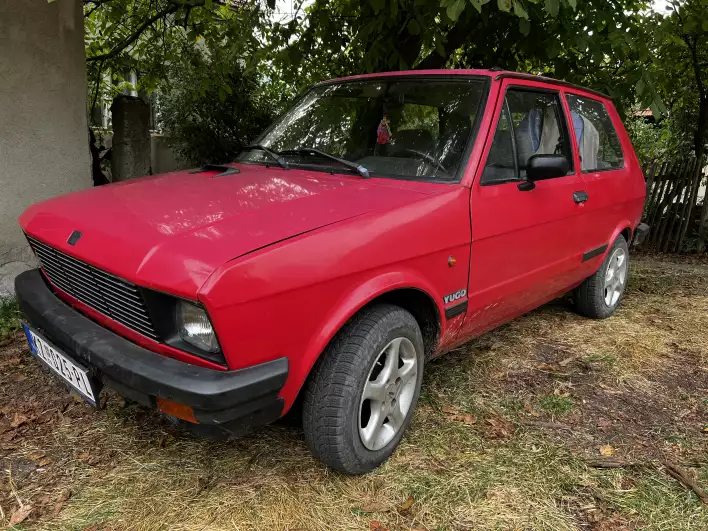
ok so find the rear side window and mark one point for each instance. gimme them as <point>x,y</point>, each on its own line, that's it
<point>530,123</point>
<point>598,144</point>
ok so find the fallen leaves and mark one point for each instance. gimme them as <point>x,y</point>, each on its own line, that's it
<point>40,459</point>
<point>11,362</point>
<point>499,428</point>
<point>20,515</point>
<point>406,505</point>
<point>88,458</point>
<point>457,416</point>
<point>18,420</point>
<point>603,423</point>
<point>61,501</point>
<point>606,450</point>
<point>530,409</point>
<point>546,367</point>
<point>380,507</point>
<point>375,508</point>
<point>566,361</point>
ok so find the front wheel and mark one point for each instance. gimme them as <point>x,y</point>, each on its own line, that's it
<point>599,295</point>
<point>361,394</point>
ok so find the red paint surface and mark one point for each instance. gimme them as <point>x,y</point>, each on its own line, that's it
<point>282,259</point>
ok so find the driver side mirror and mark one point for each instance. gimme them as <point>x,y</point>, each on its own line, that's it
<point>540,167</point>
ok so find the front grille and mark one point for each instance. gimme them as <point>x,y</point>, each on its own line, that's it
<point>114,297</point>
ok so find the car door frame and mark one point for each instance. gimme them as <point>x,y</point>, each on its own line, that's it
<point>494,302</point>
<point>615,196</point>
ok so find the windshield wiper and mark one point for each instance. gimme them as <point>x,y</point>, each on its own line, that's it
<point>349,164</point>
<point>272,154</point>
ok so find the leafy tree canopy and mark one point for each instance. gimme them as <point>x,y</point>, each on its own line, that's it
<point>150,36</point>
<point>210,122</point>
<point>680,66</point>
<point>599,43</point>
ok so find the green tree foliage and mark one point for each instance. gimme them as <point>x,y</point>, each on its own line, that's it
<point>667,139</point>
<point>620,47</point>
<point>149,37</point>
<point>680,39</point>
<point>599,43</point>
<point>200,60</point>
<point>211,106</point>
<point>680,66</point>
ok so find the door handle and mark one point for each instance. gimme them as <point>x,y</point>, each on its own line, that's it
<point>580,197</point>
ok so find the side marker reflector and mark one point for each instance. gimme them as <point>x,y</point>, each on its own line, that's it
<point>175,409</point>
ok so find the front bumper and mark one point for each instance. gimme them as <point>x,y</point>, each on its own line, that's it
<point>224,402</point>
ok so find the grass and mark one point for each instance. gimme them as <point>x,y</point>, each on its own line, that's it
<point>556,404</point>
<point>10,317</point>
<point>541,395</point>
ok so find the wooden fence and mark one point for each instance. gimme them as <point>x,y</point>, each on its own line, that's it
<point>670,207</point>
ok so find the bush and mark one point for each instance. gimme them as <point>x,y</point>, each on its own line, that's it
<point>10,316</point>
<point>211,106</point>
<point>669,138</point>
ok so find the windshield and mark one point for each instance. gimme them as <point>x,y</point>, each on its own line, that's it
<point>407,128</point>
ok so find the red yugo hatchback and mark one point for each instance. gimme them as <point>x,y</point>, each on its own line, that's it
<point>380,222</point>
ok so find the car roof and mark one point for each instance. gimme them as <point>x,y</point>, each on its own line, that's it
<point>494,73</point>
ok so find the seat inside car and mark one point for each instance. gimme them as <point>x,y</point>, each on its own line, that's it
<point>407,140</point>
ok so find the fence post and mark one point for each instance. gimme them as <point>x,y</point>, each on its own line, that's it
<point>690,203</point>
<point>661,218</point>
<point>683,183</point>
<point>660,183</point>
<point>657,183</point>
<point>650,181</point>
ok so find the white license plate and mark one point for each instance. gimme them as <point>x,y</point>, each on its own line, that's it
<point>75,375</point>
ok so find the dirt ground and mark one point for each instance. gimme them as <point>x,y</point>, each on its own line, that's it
<point>551,422</point>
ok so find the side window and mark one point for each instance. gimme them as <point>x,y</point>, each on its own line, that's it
<point>598,144</point>
<point>531,123</point>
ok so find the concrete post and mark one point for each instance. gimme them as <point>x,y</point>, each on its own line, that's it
<point>44,138</point>
<point>130,156</point>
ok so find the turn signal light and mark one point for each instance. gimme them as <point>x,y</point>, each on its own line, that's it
<point>176,410</point>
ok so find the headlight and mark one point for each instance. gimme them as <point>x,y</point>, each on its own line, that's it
<point>194,327</point>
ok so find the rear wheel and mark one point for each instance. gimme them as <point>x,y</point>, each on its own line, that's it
<point>361,394</point>
<point>599,295</point>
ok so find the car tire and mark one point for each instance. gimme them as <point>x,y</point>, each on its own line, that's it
<point>370,375</point>
<point>599,295</point>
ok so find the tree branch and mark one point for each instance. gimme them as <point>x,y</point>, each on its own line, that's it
<point>96,5</point>
<point>98,87</point>
<point>455,38</point>
<point>174,6</point>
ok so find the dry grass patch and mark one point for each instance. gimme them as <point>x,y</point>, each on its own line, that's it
<point>503,438</point>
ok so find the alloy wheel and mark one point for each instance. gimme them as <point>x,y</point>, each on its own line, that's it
<point>615,277</point>
<point>388,394</point>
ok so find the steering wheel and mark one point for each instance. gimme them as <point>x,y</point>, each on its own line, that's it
<point>423,156</point>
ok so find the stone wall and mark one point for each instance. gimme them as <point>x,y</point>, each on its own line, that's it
<point>44,136</point>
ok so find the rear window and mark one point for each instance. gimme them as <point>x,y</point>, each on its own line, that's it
<point>598,143</point>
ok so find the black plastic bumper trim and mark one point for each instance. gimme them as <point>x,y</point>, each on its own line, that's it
<point>456,310</point>
<point>594,252</point>
<point>218,397</point>
<point>640,235</point>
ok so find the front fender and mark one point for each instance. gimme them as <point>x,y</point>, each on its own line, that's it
<point>291,298</point>
<point>345,309</point>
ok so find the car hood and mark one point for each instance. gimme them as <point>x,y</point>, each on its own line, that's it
<point>170,232</point>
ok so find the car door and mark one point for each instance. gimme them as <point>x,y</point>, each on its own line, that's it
<point>610,170</point>
<point>525,249</point>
